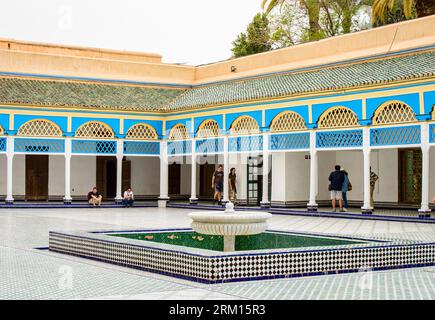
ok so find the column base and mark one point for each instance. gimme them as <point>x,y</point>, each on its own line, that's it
<point>67,201</point>
<point>265,204</point>
<point>162,202</point>
<point>118,200</point>
<point>367,210</point>
<point>424,213</point>
<point>193,201</point>
<point>9,201</point>
<point>312,207</point>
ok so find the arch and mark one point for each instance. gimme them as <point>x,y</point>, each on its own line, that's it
<point>287,121</point>
<point>393,112</point>
<point>2,131</point>
<point>39,128</point>
<point>142,131</point>
<point>208,128</point>
<point>94,129</point>
<point>245,125</point>
<point>338,117</point>
<point>179,132</point>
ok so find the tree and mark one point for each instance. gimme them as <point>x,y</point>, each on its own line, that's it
<point>240,46</point>
<point>256,39</point>
<point>325,17</point>
<point>312,7</point>
<point>381,9</point>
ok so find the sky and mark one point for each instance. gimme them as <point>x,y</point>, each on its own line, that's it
<point>183,31</point>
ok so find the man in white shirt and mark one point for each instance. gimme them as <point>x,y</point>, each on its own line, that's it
<point>128,198</point>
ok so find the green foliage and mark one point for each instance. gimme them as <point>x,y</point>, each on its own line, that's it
<point>392,11</point>
<point>256,39</point>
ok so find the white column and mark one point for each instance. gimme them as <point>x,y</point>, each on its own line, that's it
<point>163,198</point>
<point>226,171</point>
<point>9,167</point>
<point>425,151</point>
<point>265,203</point>
<point>193,198</point>
<point>366,208</point>
<point>119,157</point>
<point>312,204</point>
<point>67,199</point>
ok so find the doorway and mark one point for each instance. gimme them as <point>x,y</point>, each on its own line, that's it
<point>206,172</point>
<point>255,180</point>
<point>106,175</point>
<point>36,178</point>
<point>174,178</point>
<point>410,171</point>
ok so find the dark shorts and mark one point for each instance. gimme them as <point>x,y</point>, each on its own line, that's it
<point>219,187</point>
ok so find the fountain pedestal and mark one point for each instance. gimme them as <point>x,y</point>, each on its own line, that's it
<point>229,224</point>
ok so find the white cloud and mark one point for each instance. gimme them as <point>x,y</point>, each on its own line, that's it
<point>183,31</point>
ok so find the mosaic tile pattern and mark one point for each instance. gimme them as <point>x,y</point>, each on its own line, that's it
<point>214,267</point>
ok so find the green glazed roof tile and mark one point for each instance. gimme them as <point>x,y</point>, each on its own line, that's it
<point>87,95</point>
<point>332,78</point>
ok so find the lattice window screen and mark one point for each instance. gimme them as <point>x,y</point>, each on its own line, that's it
<point>40,128</point>
<point>94,129</point>
<point>394,112</point>
<point>287,121</point>
<point>142,131</point>
<point>209,128</point>
<point>338,117</point>
<point>179,132</point>
<point>245,125</point>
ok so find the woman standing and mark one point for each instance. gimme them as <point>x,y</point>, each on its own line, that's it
<point>232,185</point>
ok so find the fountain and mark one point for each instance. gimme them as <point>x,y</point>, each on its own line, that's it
<point>229,224</point>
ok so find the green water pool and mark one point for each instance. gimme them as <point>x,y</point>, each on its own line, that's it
<point>266,240</point>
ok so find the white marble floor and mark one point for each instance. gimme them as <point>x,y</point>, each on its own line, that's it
<point>29,273</point>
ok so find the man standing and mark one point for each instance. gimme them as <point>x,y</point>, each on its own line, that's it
<point>217,184</point>
<point>128,198</point>
<point>94,197</point>
<point>336,179</point>
<point>373,178</point>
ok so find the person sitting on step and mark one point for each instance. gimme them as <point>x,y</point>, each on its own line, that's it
<point>94,197</point>
<point>128,198</point>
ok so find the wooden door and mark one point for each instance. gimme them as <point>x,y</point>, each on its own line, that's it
<point>101,176</point>
<point>111,166</point>
<point>126,174</point>
<point>36,178</point>
<point>410,170</point>
<point>174,179</point>
<point>206,171</point>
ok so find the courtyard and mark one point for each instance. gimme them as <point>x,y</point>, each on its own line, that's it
<point>29,271</point>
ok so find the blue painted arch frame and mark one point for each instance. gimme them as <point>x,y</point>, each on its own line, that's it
<point>231,117</point>
<point>155,124</point>
<point>273,113</point>
<point>411,99</point>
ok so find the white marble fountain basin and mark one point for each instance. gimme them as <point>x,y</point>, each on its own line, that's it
<point>229,223</point>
